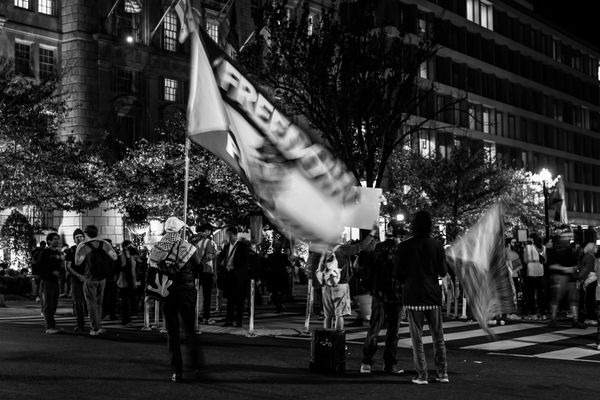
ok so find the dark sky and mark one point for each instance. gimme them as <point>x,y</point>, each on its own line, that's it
<point>577,16</point>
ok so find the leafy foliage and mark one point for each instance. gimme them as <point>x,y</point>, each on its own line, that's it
<point>38,168</point>
<point>355,84</point>
<point>457,189</point>
<point>151,177</point>
<point>16,235</point>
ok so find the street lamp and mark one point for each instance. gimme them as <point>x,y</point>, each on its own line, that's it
<point>545,176</point>
<point>400,217</point>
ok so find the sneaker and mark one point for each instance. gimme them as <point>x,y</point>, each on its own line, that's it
<point>365,369</point>
<point>419,381</point>
<point>591,322</point>
<point>52,330</point>
<point>513,317</point>
<point>393,371</point>
<point>176,377</point>
<point>101,330</point>
<point>543,317</point>
<point>442,379</point>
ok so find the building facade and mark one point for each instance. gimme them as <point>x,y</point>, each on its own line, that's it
<point>531,90</point>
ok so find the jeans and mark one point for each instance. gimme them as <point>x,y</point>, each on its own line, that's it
<point>181,303</point>
<point>534,287</point>
<point>206,281</point>
<point>78,301</point>
<point>93,291</point>
<point>49,292</point>
<point>382,312</point>
<point>434,320</point>
<point>235,300</point>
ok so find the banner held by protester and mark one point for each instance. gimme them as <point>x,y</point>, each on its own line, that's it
<point>298,183</point>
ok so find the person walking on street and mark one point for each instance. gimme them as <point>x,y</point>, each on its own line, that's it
<point>587,281</point>
<point>181,301</point>
<point>76,275</point>
<point>98,256</point>
<point>50,264</point>
<point>386,306</point>
<point>421,262</point>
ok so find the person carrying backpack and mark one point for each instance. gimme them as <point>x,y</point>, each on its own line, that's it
<point>98,256</point>
<point>334,273</point>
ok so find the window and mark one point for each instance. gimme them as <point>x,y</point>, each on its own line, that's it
<point>22,59</point>
<point>170,90</point>
<point>124,81</point>
<point>423,70</point>
<point>212,28</point>
<point>46,7</point>
<point>486,120</point>
<point>489,150</point>
<point>22,4</point>
<point>481,12</point>
<point>310,25</point>
<point>46,63</point>
<point>170,32</point>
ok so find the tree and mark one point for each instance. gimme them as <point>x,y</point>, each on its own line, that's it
<point>39,167</point>
<point>150,179</point>
<point>354,83</point>
<point>456,189</point>
<point>16,236</point>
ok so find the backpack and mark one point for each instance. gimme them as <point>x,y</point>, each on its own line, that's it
<point>100,264</point>
<point>329,273</point>
<point>168,265</point>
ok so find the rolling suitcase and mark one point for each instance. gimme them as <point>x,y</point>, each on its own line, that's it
<point>328,351</point>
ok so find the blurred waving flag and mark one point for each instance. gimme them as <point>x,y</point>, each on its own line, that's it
<point>479,261</point>
<point>298,183</point>
<point>133,6</point>
<point>558,202</point>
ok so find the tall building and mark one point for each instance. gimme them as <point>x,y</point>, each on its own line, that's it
<point>531,89</point>
<point>123,70</point>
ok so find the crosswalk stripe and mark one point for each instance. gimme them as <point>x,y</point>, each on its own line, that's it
<point>569,353</point>
<point>525,341</point>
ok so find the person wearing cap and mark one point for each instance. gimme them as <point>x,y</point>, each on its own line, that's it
<point>75,273</point>
<point>386,306</point>
<point>181,300</point>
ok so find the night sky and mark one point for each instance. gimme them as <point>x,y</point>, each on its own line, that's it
<point>576,16</point>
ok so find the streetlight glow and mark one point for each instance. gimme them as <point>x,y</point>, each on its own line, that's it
<point>400,217</point>
<point>129,39</point>
<point>545,175</point>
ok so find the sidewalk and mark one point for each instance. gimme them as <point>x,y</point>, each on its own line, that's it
<point>267,322</point>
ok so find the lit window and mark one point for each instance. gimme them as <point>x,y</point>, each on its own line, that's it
<point>170,92</point>
<point>22,59</point>
<point>212,28</point>
<point>46,63</point>
<point>489,151</point>
<point>170,32</point>
<point>481,12</point>
<point>422,26</point>
<point>486,120</point>
<point>310,25</point>
<point>22,4</point>
<point>46,7</point>
<point>423,70</point>
<point>472,117</point>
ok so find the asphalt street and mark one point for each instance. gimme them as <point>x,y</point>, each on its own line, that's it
<point>132,364</point>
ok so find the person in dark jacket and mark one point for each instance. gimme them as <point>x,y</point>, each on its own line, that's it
<point>234,262</point>
<point>386,306</point>
<point>181,300</point>
<point>421,262</point>
<point>278,263</point>
<point>50,263</point>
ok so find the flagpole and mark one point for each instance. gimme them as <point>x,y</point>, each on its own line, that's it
<point>112,9</point>
<point>186,180</point>
<point>162,18</point>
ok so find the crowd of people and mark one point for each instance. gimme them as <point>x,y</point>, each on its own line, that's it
<point>553,275</point>
<point>401,275</point>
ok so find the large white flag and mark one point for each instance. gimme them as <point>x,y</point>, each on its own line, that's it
<point>297,182</point>
<point>479,261</point>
